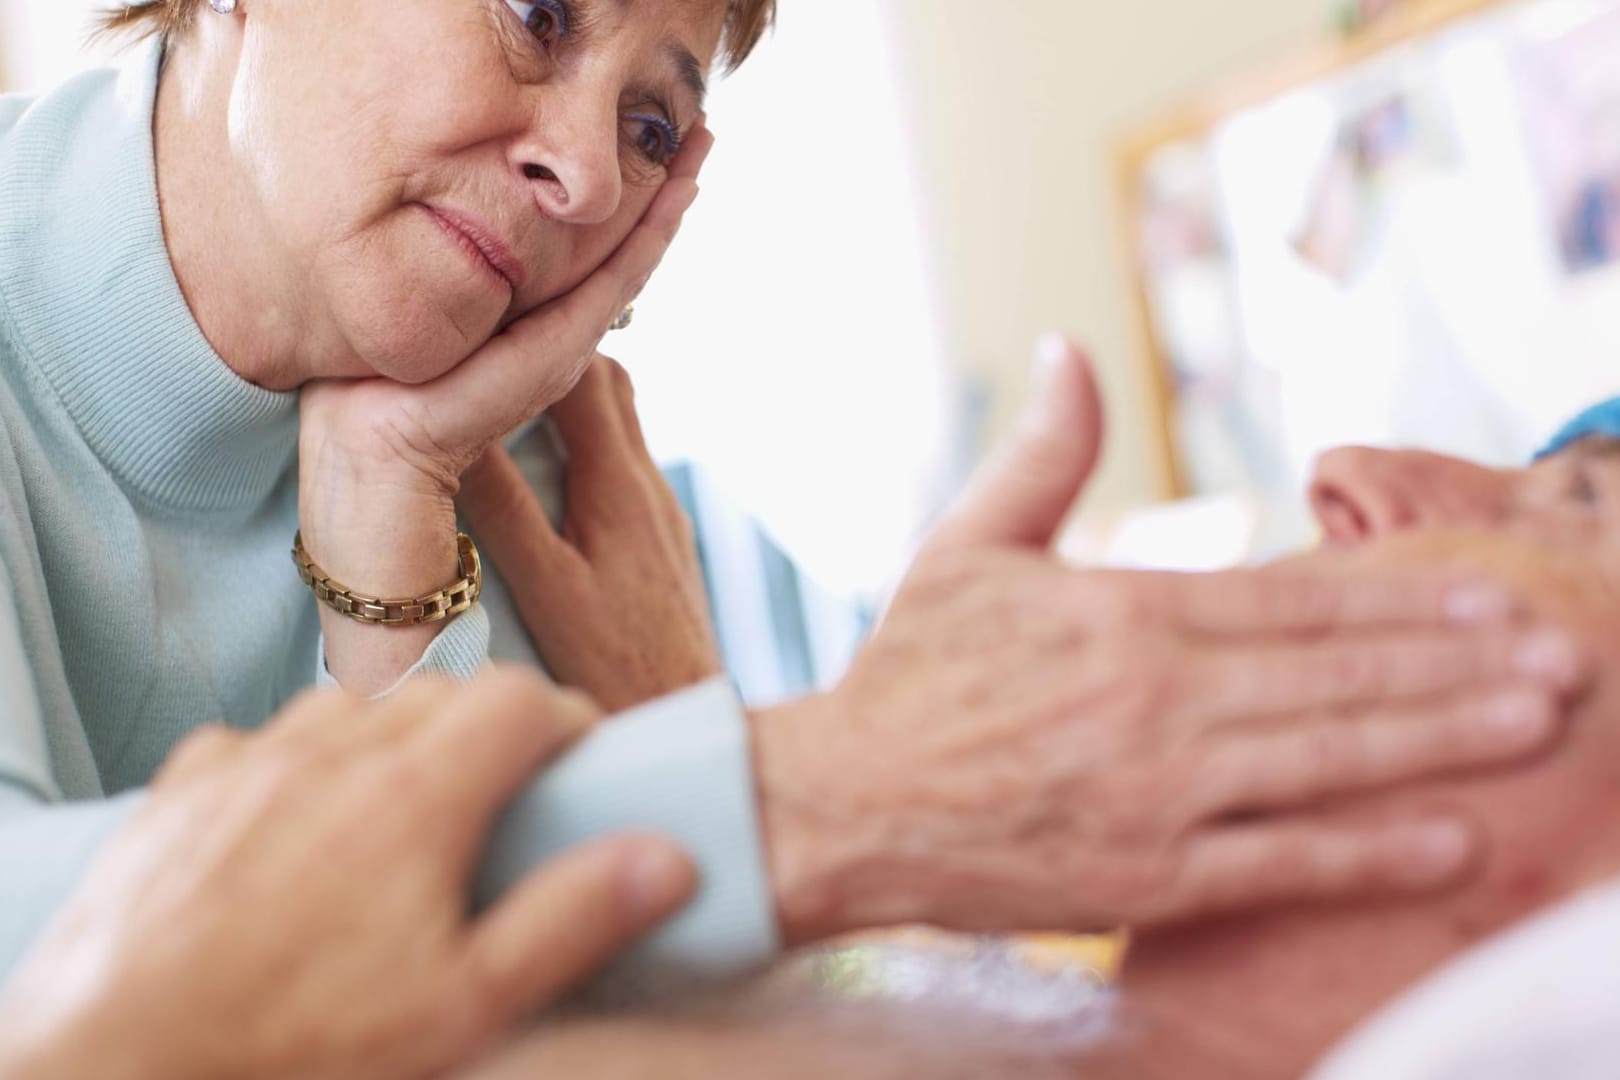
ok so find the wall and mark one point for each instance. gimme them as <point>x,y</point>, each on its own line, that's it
<point>42,41</point>
<point>1009,110</point>
<point>1014,107</point>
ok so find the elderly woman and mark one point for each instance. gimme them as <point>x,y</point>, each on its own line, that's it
<point>300,268</point>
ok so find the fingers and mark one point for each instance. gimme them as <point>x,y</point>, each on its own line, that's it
<point>695,150</point>
<point>1239,684</point>
<point>1026,489</point>
<point>493,735</point>
<point>1244,867</point>
<point>205,749</point>
<point>625,395</point>
<point>562,923</point>
<point>513,531</point>
<point>596,302</point>
<point>1299,600</point>
<point>1303,765</point>
<point>674,517</point>
<point>600,455</point>
<point>502,385</point>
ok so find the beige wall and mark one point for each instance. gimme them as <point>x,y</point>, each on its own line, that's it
<point>1016,105</point>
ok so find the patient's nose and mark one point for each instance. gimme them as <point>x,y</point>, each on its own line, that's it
<point>1359,493</point>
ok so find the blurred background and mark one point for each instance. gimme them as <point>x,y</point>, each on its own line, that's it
<point>1280,225</point>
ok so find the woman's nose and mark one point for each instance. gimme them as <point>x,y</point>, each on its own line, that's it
<point>571,163</point>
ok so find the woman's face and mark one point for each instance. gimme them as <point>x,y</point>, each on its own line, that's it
<point>429,170</point>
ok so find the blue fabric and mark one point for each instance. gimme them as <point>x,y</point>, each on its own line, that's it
<point>1601,419</point>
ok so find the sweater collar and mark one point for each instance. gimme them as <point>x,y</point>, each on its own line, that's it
<point>88,286</point>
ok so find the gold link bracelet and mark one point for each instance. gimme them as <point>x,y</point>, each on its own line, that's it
<point>448,602</point>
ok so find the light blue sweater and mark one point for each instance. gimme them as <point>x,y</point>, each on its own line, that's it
<point>147,506</point>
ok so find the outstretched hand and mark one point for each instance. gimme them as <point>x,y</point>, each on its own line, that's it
<point>1024,746</point>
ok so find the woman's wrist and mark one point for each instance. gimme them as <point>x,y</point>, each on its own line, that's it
<point>382,530</point>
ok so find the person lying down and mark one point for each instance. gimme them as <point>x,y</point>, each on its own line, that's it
<point>1510,975</point>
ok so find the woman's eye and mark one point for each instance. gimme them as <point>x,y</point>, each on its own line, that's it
<point>544,20</point>
<point>655,138</point>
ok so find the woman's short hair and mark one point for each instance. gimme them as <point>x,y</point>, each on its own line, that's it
<point>746,22</point>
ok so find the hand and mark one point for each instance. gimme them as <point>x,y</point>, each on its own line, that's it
<point>380,462</point>
<point>616,604</point>
<point>1023,746</point>
<point>294,903</point>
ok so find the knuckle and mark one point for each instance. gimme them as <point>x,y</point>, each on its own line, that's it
<point>397,771</point>
<point>1330,755</point>
<point>1305,599</point>
<point>283,769</point>
<point>489,993</point>
<point>1142,893</point>
<point>1353,670</point>
<point>200,747</point>
<point>1149,889</point>
<point>1148,681</point>
<point>420,696</point>
<point>1286,867</point>
<point>516,682</point>
<point>940,577</point>
<point>1116,600</point>
<point>1139,805</point>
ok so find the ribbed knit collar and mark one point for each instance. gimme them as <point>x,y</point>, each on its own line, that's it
<point>86,282</point>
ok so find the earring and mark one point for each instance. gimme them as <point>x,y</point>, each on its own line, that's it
<point>223,7</point>
<point>624,319</point>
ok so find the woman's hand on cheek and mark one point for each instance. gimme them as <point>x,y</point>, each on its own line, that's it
<point>380,462</point>
<point>615,604</point>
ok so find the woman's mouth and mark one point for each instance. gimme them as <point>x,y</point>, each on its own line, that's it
<point>480,244</point>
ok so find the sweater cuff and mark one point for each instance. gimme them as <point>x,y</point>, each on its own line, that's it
<point>460,650</point>
<point>679,766</point>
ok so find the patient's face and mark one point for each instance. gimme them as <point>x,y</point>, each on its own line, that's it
<point>1361,494</point>
<point>1551,826</point>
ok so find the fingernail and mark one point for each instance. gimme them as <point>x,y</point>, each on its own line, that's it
<point>1548,654</point>
<point>1521,717</point>
<point>1050,352</point>
<point>1478,603</point>
<point>655,875</point>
